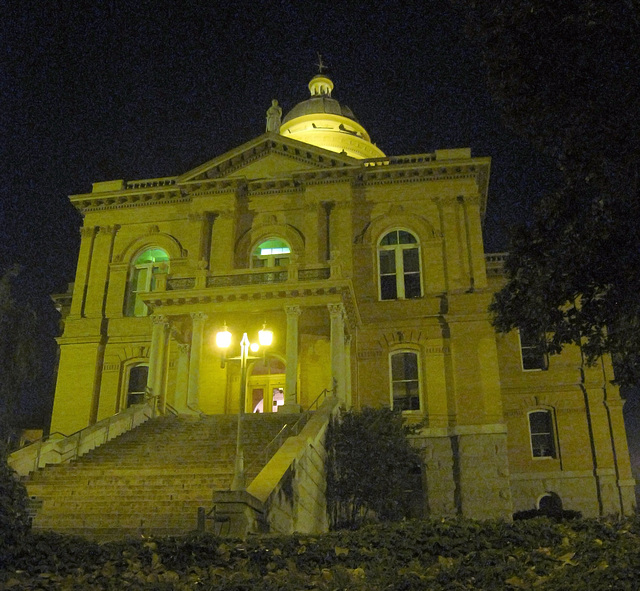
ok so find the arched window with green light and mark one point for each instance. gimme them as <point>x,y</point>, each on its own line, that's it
<point>144,270</point>
<point>271,253</point>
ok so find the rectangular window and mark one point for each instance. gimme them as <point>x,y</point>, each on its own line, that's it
<point>405,385</point>
<point>541,431</point>
<point>533,350</point>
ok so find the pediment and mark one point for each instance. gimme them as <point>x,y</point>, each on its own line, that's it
<point>268,156</point>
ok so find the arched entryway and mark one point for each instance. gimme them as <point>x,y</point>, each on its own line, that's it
<point>265,392</point>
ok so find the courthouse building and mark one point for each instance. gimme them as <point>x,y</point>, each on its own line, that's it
<point>371,273</point>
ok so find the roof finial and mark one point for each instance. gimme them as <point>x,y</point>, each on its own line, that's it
<point>320,64</point>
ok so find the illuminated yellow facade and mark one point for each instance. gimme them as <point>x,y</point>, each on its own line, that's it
<point>371,272</point>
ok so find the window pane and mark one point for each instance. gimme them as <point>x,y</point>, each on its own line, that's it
<point>410,260</point>
<point>282,262</point>
<point>540,422</point>
<point>387,262</point>
<point>390,238</point>
<point>407,237</point>
<point>532,349</point>
<point>404,366</point>
<point>388,288</point>
<point>541,430</point>
<point>542,446</point>
<point>412,286</point>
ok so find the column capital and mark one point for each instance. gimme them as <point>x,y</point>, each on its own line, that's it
<point>184,348</point>
<point>159,319</point>
<point>336,310</point>
<point>87,231</point>
<point>198,316</point>
<point>293,310</point>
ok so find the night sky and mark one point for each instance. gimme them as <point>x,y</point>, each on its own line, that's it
<point>95,91</point>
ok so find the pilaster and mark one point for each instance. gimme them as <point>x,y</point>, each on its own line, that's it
<point>156,381</point>
<point>99,272</point>
<point>336,315</point>
<point>198,320</point>
<point>87,237</point>
<point>291,378</point>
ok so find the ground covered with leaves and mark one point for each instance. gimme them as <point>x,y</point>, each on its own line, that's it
<point>451,554</point>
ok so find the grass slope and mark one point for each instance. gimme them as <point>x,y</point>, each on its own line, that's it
<point>451,554</point>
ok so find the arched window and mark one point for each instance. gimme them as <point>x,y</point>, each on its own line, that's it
<point>541,432</point>
<point>399,265</point>
<point>405,380</point>
<point>137,384</point>
<point>142,276</point>
<point>271,253</point>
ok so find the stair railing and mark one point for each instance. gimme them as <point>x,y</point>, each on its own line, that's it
<point>289,430</point>
<point>59,447</point>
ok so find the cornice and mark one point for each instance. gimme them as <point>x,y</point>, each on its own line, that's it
<point>359,173</point>
<point>189,296</point>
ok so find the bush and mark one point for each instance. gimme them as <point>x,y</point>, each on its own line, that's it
<point>556,515</point>
<point>14,515</point>
<point>372,470</point>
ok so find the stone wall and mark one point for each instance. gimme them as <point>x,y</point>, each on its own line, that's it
<point>465,472</point>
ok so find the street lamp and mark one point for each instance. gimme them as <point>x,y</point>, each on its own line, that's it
<point>223,341</point>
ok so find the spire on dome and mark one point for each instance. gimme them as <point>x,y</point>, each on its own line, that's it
<point>320,84</point>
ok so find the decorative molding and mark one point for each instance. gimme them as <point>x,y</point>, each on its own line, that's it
<point>153,229</point>
<point>293,310</point>
<point>370,354</point>
<point>110,230</point>
<point>108,367</point>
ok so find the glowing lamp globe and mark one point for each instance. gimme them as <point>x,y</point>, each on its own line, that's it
<point>265,337</point>
<point>223,339</point>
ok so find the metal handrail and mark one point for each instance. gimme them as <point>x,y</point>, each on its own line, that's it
<point>288,430</point>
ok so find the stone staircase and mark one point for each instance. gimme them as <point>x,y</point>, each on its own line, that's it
<point>151,480</point>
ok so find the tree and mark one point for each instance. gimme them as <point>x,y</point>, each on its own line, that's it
<point>567,77</point>
<point>19,362</point>
<point>371,468</point>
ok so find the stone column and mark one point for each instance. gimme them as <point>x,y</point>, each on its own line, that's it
<point>82,271</point>
<point>347,371</point>
<point>291,401</point>
<point>336,313</point>
<point>182,378</point>
<point>197,331</point>
<point>156,355</point>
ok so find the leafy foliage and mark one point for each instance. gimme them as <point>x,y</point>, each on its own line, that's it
<point>371,468</point>
<point>14,517</point>
<point>18,352</point>
<point>439,555</point>
<point>567,77</point>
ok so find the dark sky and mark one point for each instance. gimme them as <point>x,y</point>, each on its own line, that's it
<point>95,91</point>
<point>107,90</point>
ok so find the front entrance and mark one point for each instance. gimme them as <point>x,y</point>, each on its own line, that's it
<point>266,386</point>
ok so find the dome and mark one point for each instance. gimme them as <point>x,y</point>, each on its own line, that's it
<point>322,121</point>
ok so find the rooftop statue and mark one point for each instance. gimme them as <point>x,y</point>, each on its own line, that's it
<point>274,117</point>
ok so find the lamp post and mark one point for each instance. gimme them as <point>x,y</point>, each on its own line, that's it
<point>223,340</point>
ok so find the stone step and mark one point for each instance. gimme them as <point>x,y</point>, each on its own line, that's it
<point>150,480</point>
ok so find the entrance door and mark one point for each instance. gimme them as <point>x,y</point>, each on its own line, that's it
<point>266,386</point>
